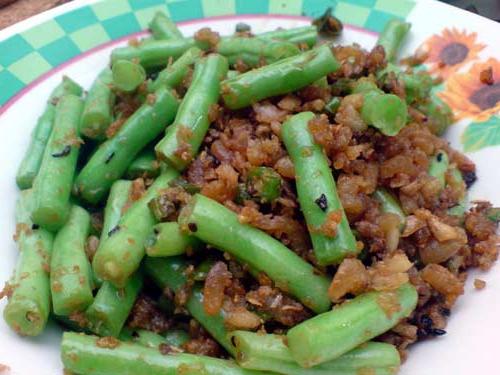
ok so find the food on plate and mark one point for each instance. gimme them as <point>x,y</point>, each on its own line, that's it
<point>268,203</point>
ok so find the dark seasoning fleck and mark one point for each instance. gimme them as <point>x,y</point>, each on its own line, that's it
<point>114,230</point>
<point>322,202</point>
<point>110,156</point>
<point>65,152</point>
<point>192,227</point>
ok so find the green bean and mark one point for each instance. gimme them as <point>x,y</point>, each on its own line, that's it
<point>253,51</point>
<point>287,34</point>
<point>166,240</point>
<point>265,183</point>
<point>148,339</point>
<point>113,157</point>
<point>170,272</point>
<point>85,355</point>
<point>111,307</point>
<point>119,196</point>
<point>268,352</point>
<point>329,335</point>
<point>52,187</point>
<point>156,53</point>
<point>29,305</point>
<point>417,85</point>
<point>317,192</point>
<point>176,337</point>
<point>281,77</point>
<point>389,204</point>
<point>127,75</point>
<point>392,37</point>
<point>215,224</point>
<point>333,105</point>
<point>309,39</point>
<point>386,112</point>
<point>98,109</point>
<point>174,74</point>
<point>438,114</point>
<point>232,74</point>
<point>28,169</point>
<point>144,165</point>
<point>460,208</point>
<point>439,166</point>
<point>163,27</point>
<point>183,139</point>
<point>70,272</point>
<point>120,255</point>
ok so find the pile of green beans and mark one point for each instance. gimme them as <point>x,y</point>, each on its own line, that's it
<point>145,118</point>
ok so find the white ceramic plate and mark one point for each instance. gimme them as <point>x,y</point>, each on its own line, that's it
<point>76,40</point>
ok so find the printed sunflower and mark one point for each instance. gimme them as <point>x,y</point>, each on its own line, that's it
<point>469,96</point>
<point>449,51</point>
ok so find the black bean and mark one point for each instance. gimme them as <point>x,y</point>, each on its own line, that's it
<point>469,178</point>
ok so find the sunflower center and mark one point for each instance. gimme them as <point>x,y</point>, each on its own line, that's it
<point>454,53</point>
<point>487,96</point>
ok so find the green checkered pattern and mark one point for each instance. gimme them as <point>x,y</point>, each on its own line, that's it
<point>26,56</point>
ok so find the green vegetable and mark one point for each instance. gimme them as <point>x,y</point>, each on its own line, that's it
<point>287,34</point>
<point>329,335</point>
<point>166,239</point>
<point>215,224</point>
<point>83,355</point>
<point>127,75</point>
<point>117,199</point>
<point>70,272</point>
<point>169,272</point>
<point>317,192</point>
<point>120,255</point>
<point>28,169</point>
<point>439,115</point>
<point>438,167</point>
<point>98,109</point>
<point>386,112</point>
<point>148,338</point>
<point>268,352</point>
<point>253,51</point>
<point>461,207</point>
<point>144,165</point>
<point>281,77</point>
<point>155,53</point>
<point>417,85</point>
<point>392,37</point>
<point>309,39</point>
<point>176,337</point>
<point>265,183</point>
<point>52,186</point>
<point>163,27</point>
<point>29,305</point>
<point>182,139</point>
<point>390,204</point>
<point>111,307</point>
<point>333,105</point>
<point>173,75</point>
<point>493,214</point>
<point>114,156</point>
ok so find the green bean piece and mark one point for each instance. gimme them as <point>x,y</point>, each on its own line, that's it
<point>287,34</point>
<point>111,307</point>
<point>52,187</point>
<point>386,112</point>
<point>333,105</point>
<point>232,73</point>
<point>392,37</point>
<point>30,165</point>
<point>148,339</point>
<point>144,165</point>
<point>417,85</point>
<point>29,305</point>
<point>98,108</point>
<point>390,204</point>
<point>127,75</point>
<point>281,77</point>
<point>120,255</point>
<point>439,166</point>
<point>84,354</point>
<point>268,352</point>
<point>174,74</point>
<point>438,114</point>
<point>170,272</point>
<point>163,27</point>
<point>183,139</point>
<point>167,240</point>
<point>215,224</point>
<point>317,192</point>
<point>309,39</point>
<point>329,335</point>
<point>119,196</point>
<point>70,273</point>
<point>253,51</point>
<point>156,53</point>
<point>265,183</point>
<point>114,156</point>
<point>461,207</point>
<point>176,337</point>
